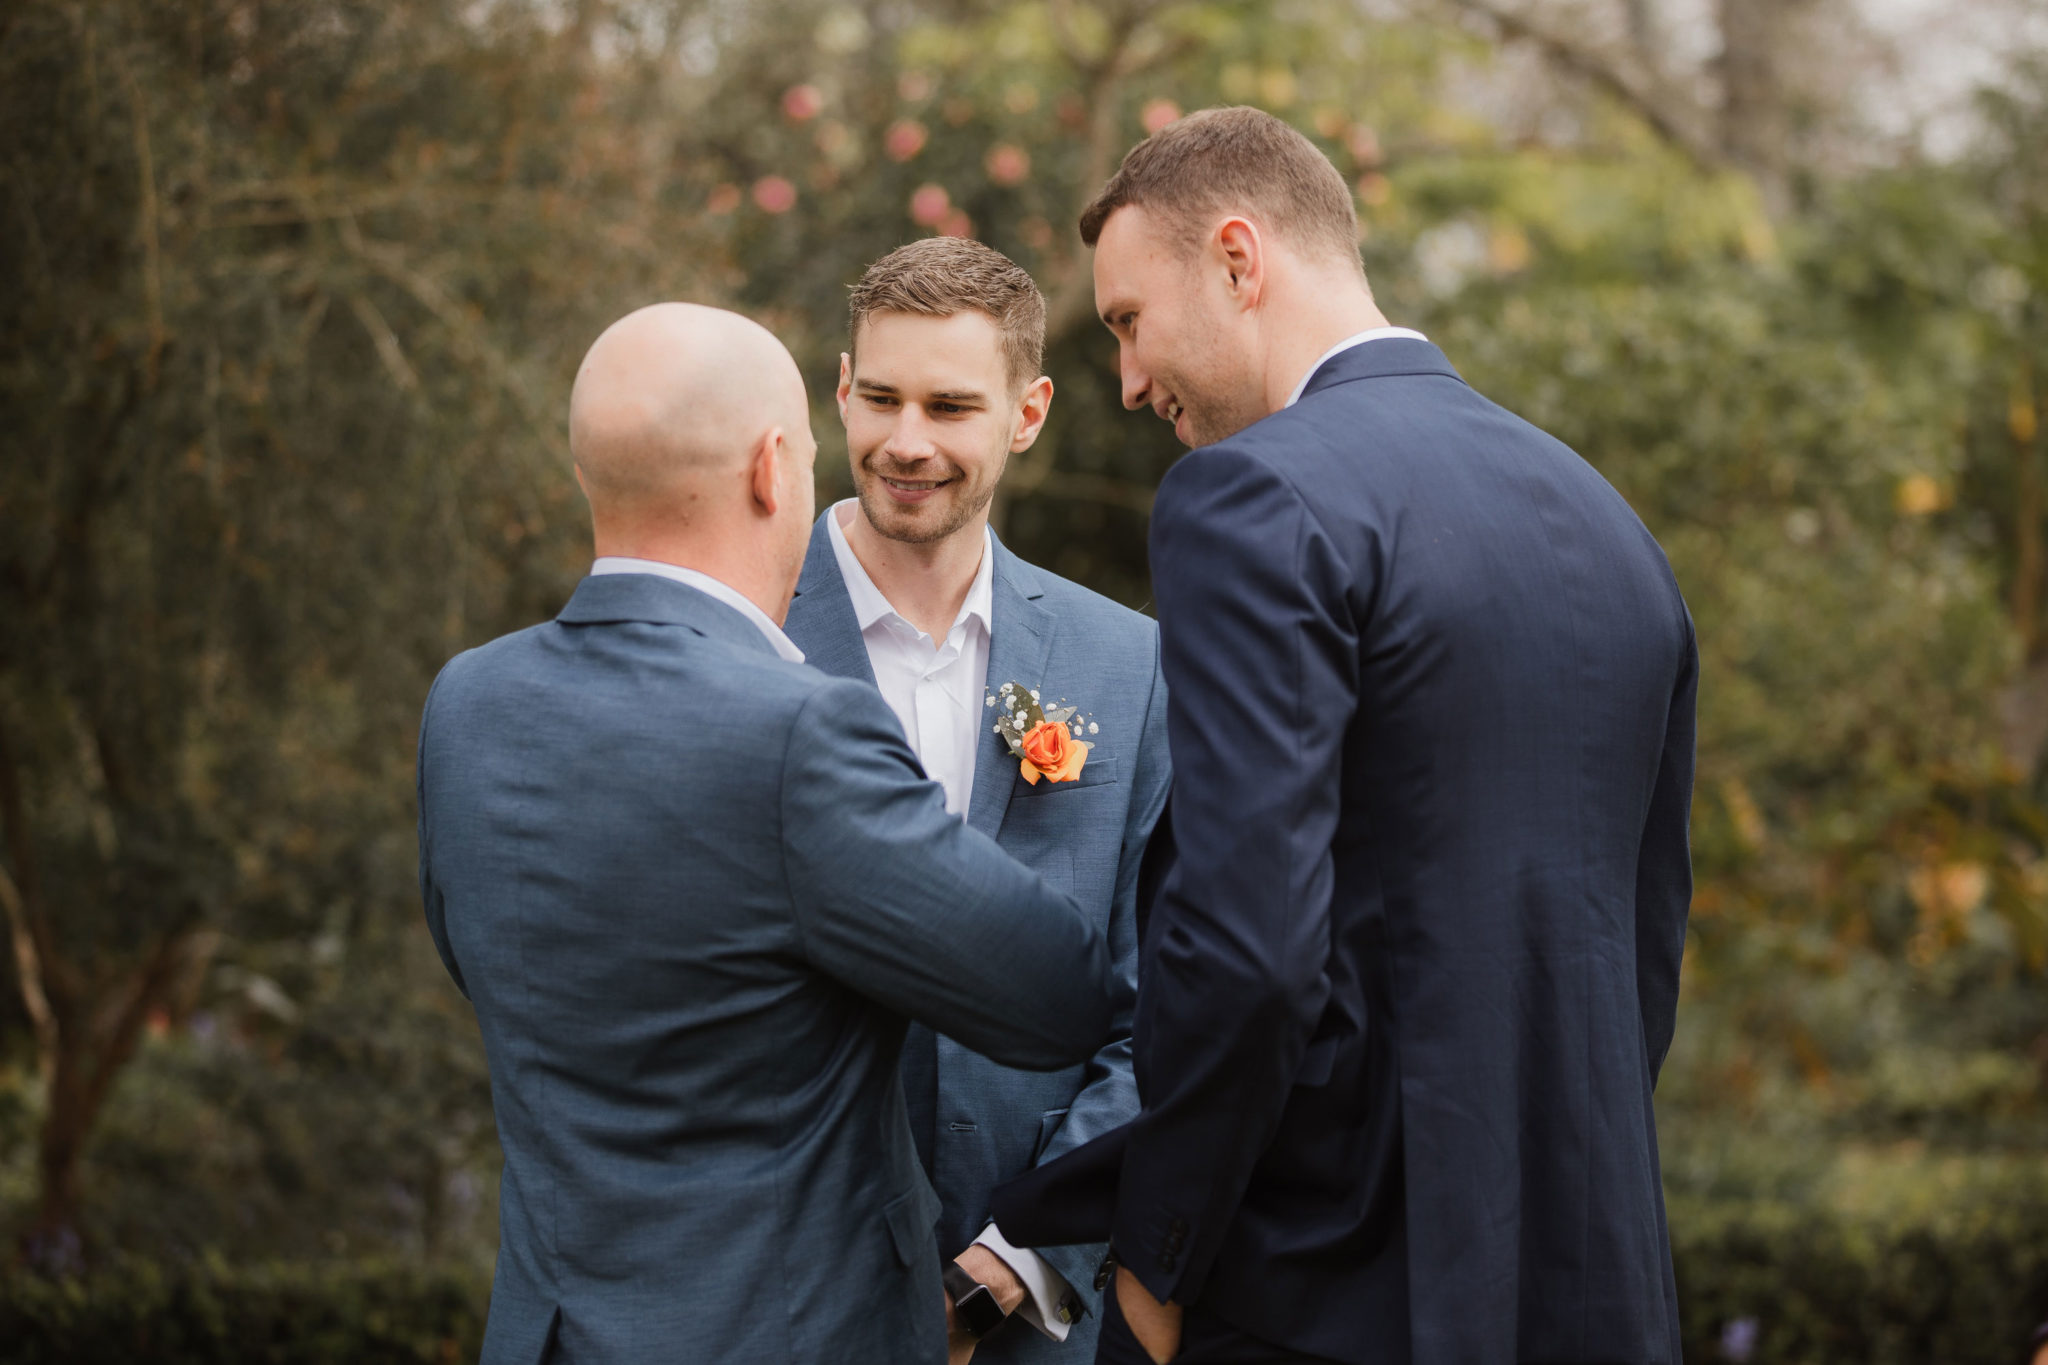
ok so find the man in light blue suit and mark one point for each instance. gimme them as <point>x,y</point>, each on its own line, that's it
<point>694,888</point>
<point>907,590</point>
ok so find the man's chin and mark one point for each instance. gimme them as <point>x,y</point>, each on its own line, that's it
<point>913,524</point>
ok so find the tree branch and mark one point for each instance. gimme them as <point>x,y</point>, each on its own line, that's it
<point>28,970</point>
<point>1655,105</point>
<point>1073,298</point>
<point>152,248</point>
<point>389,261</point>
<point>386,341</point>
<point>121,1030</point>
<point>23,890</point>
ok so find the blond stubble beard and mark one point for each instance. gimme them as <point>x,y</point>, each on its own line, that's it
<point>876,507</point>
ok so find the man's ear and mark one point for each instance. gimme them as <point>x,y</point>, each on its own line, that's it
<point>845,382</point>
<point>763,468</point>
<point>1243,254</point>
<point>1031,414</point>
<point>580,483</point>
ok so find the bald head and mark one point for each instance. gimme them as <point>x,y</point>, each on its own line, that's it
<point>675,396</point>
<point>692,440</point>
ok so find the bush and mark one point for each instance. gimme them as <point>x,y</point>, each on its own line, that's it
<point>1773,1283</point>
<point>140,1314</point>
<point>1785,1284</point>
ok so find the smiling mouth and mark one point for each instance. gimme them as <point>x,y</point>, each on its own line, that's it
<point>1172,411</point>
<point>914,485</point>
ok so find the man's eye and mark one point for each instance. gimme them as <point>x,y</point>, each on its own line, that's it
<point>947,407</point>
<point>879,401</point>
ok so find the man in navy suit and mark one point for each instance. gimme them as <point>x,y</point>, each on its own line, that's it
<point>1407,987</point>
<point>694,888</point>
<point>905,588</point>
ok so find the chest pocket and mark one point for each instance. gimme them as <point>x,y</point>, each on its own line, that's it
<point>1096,772</point>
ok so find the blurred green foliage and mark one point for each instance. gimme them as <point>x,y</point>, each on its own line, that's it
<point>1956,1281</point>
<point>366,1314</point>
<point>290,298</point>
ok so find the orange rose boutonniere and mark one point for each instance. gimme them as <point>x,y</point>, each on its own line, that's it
<point>1046,740</point>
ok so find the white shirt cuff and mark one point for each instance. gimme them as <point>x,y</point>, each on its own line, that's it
<point>1044,1287</point>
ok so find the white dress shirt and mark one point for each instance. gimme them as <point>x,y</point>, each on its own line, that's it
<point>710,587</point>
<point>1375,334</point>
<point>937,690</point>
<point>935,687</point>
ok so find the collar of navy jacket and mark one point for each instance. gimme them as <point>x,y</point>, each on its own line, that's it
<point>1381,359</point>
<point>617,598</point>
<point>822,621</point>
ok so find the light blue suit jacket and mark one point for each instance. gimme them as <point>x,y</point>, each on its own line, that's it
<point>693,892</point>
<point>978,1122</point>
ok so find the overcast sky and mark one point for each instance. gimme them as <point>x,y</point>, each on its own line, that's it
<point>1947,49</point>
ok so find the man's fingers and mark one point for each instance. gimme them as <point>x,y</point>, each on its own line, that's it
<point>1156,1325</point>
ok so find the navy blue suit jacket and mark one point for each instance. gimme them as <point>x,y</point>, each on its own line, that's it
<point>976,1121</point>
<point>693,892</point>
<point>1408,982</point>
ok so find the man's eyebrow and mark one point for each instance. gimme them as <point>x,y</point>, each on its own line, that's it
<point>937,396</point>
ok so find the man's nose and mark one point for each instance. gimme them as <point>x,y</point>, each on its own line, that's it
<point>1137,384</point>
<point>911,439</point>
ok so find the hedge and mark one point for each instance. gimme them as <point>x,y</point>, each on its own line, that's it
<point>1772,1284</point>
<point>138,1314</point>
<point>1783,1284</point>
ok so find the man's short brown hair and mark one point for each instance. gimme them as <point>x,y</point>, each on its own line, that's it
<point>940,276</point>
<point>1218,161</point>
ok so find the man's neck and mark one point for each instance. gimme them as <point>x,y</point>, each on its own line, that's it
<point>1324,311</point>
<point>925,583</point>
<point>747,574</point>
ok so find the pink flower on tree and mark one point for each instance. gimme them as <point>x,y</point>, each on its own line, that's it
<point>1364,146</point>
<point>803,102</point>
<point>929,205</point>
<point>905,139</point>
<point>1158,113</point>
<point>1008,164</point>
<point>774,194</point>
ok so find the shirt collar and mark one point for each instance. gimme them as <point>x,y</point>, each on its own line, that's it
<point>869,606</point>
<point>1374,334</point>
<point>710,587</point>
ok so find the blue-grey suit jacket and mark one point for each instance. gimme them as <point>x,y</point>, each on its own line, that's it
<point>693,892</point>
<point>976,1121</point>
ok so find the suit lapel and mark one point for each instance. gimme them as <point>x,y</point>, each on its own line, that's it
<point>821,618</point>
<point>1020,642</point>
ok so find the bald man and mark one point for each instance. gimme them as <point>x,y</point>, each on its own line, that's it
<point>694,889</point>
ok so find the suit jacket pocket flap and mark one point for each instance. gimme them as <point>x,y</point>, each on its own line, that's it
<point>1095,772</point>
<point>912,1216</point>
<point>1048,1128</point>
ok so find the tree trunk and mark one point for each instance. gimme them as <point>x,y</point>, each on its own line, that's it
<point>1755,129</point>
<point>54,1244</point>
<point>92,1048</point>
